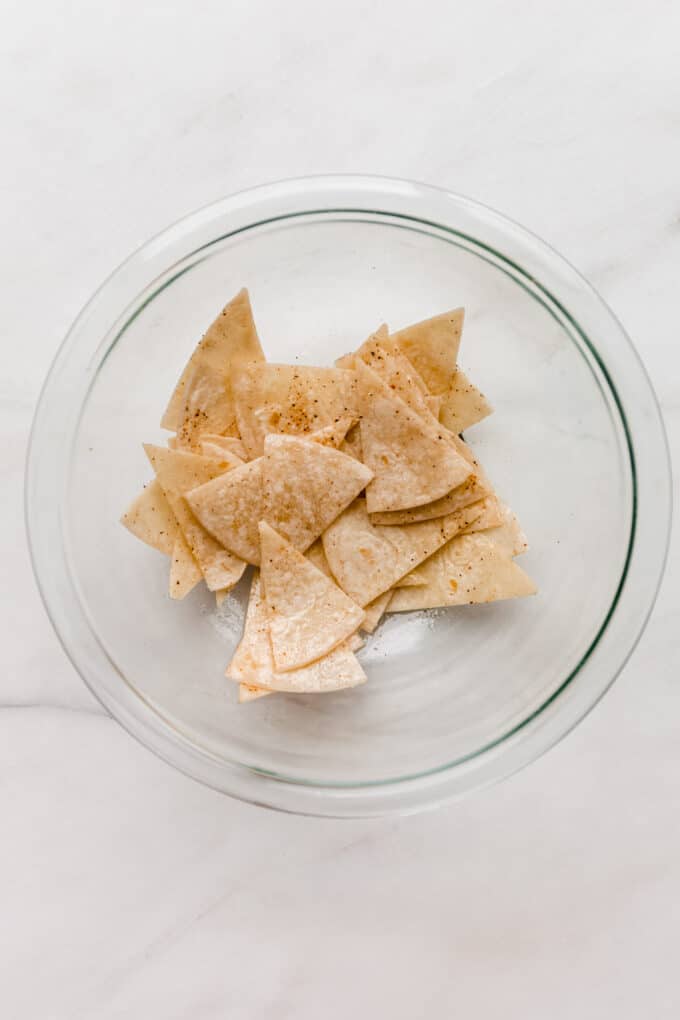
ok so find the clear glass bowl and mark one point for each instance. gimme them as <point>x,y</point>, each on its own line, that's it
<point>455,698</point>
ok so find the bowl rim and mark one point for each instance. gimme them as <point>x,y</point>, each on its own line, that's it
<point>539,731</point>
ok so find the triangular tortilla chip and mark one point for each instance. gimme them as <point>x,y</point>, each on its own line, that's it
<point>399,375</point>
<point>432,348</point>
<point>459,407</point>
<point>295,399</point>
<point>367,559</point>
<point>334,434</point>
<point>306,486</point>
<point>178,471</point>
<point>220,567</point>
<point>260,394</point>
<point>412,461</point>
<point>202,400</point>
<point>231,507</point>
<point>185,572</point>
<point>347,361</point>
<point>150,518</point>
<point>207,404</point>
<point>309,614</point>
<point>508,535</point>
<point>375,611</point>
<point>477,486</point>
<point>463,405</point>
<point>490,517</point>
<point>468,569</point>
<point>471,491</point>
<point>317,556</point>
<point>253,662</point>
<point>495,520</point>
<point>412,579</point>
<point>491,521</point>
<point>351,444</point>
<point>211,445</point>
<point>381,335</point>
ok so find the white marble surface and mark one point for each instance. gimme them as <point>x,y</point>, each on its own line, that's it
<point>127,890</point>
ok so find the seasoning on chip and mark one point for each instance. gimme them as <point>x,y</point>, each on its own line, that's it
<point>203,400</point>
<point>309,614</point>
<point>349,487</point>
<point>253,663</point>
<point>411,459</point>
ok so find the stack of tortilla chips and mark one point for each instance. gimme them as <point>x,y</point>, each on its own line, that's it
<point>348,489</point>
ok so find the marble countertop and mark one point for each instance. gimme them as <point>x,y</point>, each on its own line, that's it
<point>127,890</point>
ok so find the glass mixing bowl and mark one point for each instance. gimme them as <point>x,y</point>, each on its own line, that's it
<point>455,698</point>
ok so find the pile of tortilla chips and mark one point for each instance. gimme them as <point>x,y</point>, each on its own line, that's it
<point>348,489</point>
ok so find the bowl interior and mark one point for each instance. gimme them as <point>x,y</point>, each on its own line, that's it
<point>445,684</point>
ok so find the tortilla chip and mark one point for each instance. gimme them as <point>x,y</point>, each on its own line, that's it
<point>367,559</point>
<point>295,399</point>
<point>306,486</point>
<point>413,461</point>
<point>231,506</point>
<point>317,556</point>
<point>490,517</point>
<point>398,374</point>
<point>220,567</point>
<point>207,405</point>
<point>150,518</point>
<point>178,471</point>
<point>432,348</point>
<point>309,614</point>
<point>211,445</point>
<point>347,361</point>
<point>476,487</point>
<point>202,400</point>
<point>253,662</point>
<point>334,434</point>
<point>375,611</point>
<point>185,572</point>
<point>259,398</point>
<point>351,444</point>
<point>471,491</point>
<point>354,642</point>
<point>412,579</point>
<point>468,569</point>
<point>508,534</point>
<point>434,405</point>
<point>463,405</point>
<point>248,692</point>
<point>490,521</point>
